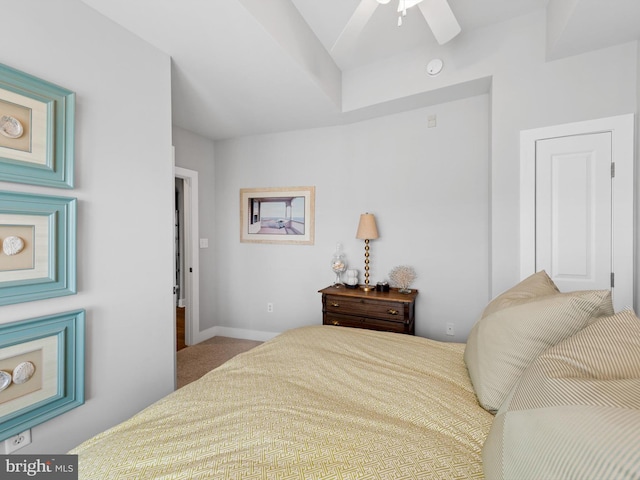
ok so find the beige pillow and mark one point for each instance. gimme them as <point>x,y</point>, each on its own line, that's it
<point>576,411</point>
<point>504,342</point>
<point>536,285</point>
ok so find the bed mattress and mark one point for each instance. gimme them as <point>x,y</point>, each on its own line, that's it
<point>318,402</point>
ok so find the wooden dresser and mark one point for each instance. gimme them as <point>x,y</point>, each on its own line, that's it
<point>387,311</point>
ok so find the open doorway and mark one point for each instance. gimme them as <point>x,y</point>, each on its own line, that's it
<point>179,288</point>
<point>186,282</point>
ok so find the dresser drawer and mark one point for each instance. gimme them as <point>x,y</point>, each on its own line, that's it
<point>394,311</point>
<point>367,322</point>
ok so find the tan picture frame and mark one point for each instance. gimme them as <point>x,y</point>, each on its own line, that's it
<point>284,215</point>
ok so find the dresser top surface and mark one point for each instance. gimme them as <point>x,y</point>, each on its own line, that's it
<point>392,295</point>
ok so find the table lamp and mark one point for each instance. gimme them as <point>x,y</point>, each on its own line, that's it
<point>367,230</point>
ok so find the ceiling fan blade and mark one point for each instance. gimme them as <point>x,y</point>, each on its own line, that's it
<point>441,19</point>
<point>345,43</point>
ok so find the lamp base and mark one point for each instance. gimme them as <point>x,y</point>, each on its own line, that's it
<point>368,288</point>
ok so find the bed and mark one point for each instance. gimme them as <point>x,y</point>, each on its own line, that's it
<point>314,402</point>
<point>330,402</point>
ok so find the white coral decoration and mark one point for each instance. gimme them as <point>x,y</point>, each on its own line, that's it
<point>402,276</point>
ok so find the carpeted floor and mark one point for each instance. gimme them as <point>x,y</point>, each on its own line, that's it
<point>196,360</point>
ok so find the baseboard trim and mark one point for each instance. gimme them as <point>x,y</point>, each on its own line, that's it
<point>241,333</point>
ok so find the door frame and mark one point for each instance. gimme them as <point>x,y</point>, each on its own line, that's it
<point>622,191</point>
<point>191,252</point>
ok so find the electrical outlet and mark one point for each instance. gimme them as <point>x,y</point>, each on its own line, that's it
<point>18,441</point>
<point>269,307</point>
<point>450,331</point>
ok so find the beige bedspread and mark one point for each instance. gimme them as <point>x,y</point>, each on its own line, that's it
<point>317,402</point>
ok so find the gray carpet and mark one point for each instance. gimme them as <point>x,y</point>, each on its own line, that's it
<point>196,360</point>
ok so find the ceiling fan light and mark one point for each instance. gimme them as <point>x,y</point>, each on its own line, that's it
<point>441,20</point>
<point>407,4</point>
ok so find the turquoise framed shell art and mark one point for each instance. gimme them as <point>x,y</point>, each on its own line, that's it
<point>41,370</point>
<point>36,130</point>
<point>38,247</point>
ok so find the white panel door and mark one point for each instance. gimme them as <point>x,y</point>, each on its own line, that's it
<point>580,236</point>
<point>574,210</point>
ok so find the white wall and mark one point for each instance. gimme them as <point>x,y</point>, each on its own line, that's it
<point>527,92</point>
<point>637,182</point>
<point>124,186</point>
<point>352,177</point>
<point>428,188</point>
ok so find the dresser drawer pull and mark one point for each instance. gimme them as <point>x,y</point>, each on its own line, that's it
<point>335,304</point>
<point>391,311</point>
<point>335,322</point>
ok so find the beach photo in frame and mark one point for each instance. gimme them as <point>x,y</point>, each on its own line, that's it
<point>277,215</point>
<point>37,125</point>
<point>41,370</point>
<point>38,247</point>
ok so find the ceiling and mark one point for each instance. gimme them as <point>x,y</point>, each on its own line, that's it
<point>244,67</point>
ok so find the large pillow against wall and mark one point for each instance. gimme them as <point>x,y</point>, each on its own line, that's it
<point>504,342</point>
<point>537,285</point>
<point>576,411</point>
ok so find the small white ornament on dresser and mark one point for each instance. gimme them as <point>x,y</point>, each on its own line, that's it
<point>352,277</point>
<point>402,276</point>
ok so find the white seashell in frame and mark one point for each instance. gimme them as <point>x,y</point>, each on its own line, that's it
<point>12,245</point>
<point>5,379</point>
<point>11,127</point>
<point>23,372</point>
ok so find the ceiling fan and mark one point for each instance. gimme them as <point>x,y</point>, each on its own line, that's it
<point>437,13</point>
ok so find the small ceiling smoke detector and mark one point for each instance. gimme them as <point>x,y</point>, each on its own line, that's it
<point>434,67</point>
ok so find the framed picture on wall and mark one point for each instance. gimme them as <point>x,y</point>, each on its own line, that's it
<point>41,370</point>
<point>38,240</point>
<point>277,215</point>
<point>36,130</point>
